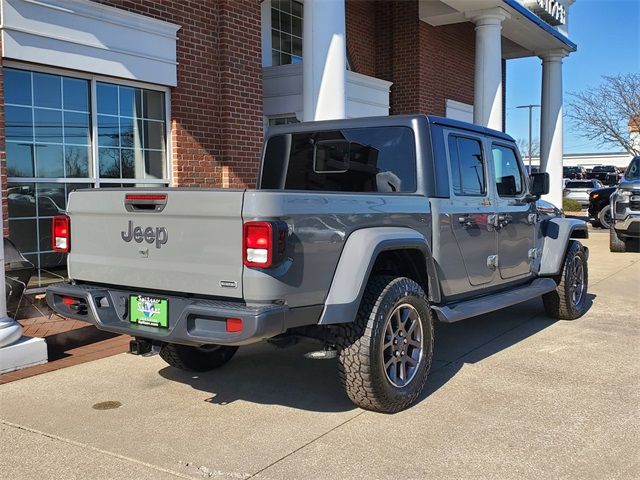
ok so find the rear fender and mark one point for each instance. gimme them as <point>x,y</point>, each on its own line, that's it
<point>356,262</point>
<point>557,232</point>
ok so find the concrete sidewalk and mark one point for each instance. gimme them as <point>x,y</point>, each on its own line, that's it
<point>511,395</point>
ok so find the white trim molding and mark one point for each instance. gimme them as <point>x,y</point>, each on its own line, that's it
<point>90,37</point>
<point>459,111</point>
<point>283,93</point>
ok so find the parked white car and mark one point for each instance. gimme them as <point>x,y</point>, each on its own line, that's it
<point>579,190</point>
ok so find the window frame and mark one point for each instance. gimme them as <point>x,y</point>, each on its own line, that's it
<point>93,79</point>
<point>523,175</point>
<point>480,140</point>
<point>267,45</point>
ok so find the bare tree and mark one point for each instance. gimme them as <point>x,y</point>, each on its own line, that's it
<point>606,112</point>
<point>523,146</point>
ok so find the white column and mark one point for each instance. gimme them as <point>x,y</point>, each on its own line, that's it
<point>487,108</point>
<point>551,123</point>
<point>324,60</point>
<point>10,330</point>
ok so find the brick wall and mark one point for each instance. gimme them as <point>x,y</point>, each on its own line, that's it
<point>360,19</point>
<point>426,64</point>
<point>216,109</point>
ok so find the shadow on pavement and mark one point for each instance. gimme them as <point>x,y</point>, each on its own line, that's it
<point>264,374</point>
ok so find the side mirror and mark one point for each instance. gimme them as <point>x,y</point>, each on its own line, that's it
<point>539,183</point>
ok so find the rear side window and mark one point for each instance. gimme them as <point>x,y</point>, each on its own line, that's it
<point>377,159</point>
<point>509,181</point>
<point>467,166</point>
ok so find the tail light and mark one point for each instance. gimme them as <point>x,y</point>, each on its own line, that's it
<point>60,234</point>
<point>264,244</point>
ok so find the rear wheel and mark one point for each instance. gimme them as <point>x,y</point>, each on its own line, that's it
<point>604,217</point>
<point>384,356</point>
<point>616,244</point>
<point>569,300</point>
<point>198,359</point>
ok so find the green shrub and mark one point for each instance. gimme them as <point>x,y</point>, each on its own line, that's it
<point>570,205</point>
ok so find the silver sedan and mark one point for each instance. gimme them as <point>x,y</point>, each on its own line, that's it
<point>579,190</point>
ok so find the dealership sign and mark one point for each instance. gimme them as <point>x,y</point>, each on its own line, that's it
<point>551,11</point>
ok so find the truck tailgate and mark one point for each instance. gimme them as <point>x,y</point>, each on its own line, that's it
<point>191,242</point>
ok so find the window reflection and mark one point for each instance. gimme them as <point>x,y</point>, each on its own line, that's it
<point>131,132</point>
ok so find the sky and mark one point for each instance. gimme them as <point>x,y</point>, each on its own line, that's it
<point>607,33</point>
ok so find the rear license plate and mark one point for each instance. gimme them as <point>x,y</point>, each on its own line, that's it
<point>150,311</point>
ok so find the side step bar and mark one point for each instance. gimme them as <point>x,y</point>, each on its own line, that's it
<point>490,303</point>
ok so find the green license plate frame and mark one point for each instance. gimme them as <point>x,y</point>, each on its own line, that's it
<point>149,311</point>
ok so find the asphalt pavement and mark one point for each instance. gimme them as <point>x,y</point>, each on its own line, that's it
<point>512,394</point>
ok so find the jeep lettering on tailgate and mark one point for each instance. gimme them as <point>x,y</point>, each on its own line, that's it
<point>159,235</point>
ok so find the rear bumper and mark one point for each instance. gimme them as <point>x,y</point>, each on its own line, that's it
<point>191,321</point>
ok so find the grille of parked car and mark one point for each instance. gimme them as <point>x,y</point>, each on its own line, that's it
<point>620,207</point>
<point>635,205</point>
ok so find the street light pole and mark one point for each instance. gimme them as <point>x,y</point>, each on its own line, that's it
<point>530,107</point>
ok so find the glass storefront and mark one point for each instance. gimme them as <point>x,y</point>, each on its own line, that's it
<point>60,138</point>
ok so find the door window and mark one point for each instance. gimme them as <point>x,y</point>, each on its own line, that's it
<point>467,166</point>
<point>509,179</point>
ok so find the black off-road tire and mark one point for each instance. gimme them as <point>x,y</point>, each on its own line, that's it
<point>616,244</point>
<point>560,303</point>
<point>360,346</point>
<point>196,359</point>
<point>603,221</point>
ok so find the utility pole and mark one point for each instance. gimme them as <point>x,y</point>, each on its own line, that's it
<point>530,107</point>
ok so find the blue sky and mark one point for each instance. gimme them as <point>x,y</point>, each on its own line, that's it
<point>608,36</point>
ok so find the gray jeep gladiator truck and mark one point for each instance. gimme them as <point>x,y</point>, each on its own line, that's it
<point>625,210</point>
<point>361,233</point>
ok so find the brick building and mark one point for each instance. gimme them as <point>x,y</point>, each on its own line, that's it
<point>148,93</point>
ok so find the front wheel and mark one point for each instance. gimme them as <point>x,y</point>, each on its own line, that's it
<point>197,359</point>
<point>384,356</point>
<point>616,244</point>
<point>569,300</point>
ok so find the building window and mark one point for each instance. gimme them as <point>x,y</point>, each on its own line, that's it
<point>58,139</point>
<point>286,32</point>
<point>131,133</point>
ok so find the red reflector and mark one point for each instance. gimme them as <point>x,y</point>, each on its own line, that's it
<point>234,325</point>
<point>69,300</point>
<point>144,197</point>
<point>60,235</point>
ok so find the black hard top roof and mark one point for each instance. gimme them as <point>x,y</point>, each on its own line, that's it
<point>385,121</point>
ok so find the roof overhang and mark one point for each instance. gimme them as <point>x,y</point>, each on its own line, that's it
<point>524,34</point>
